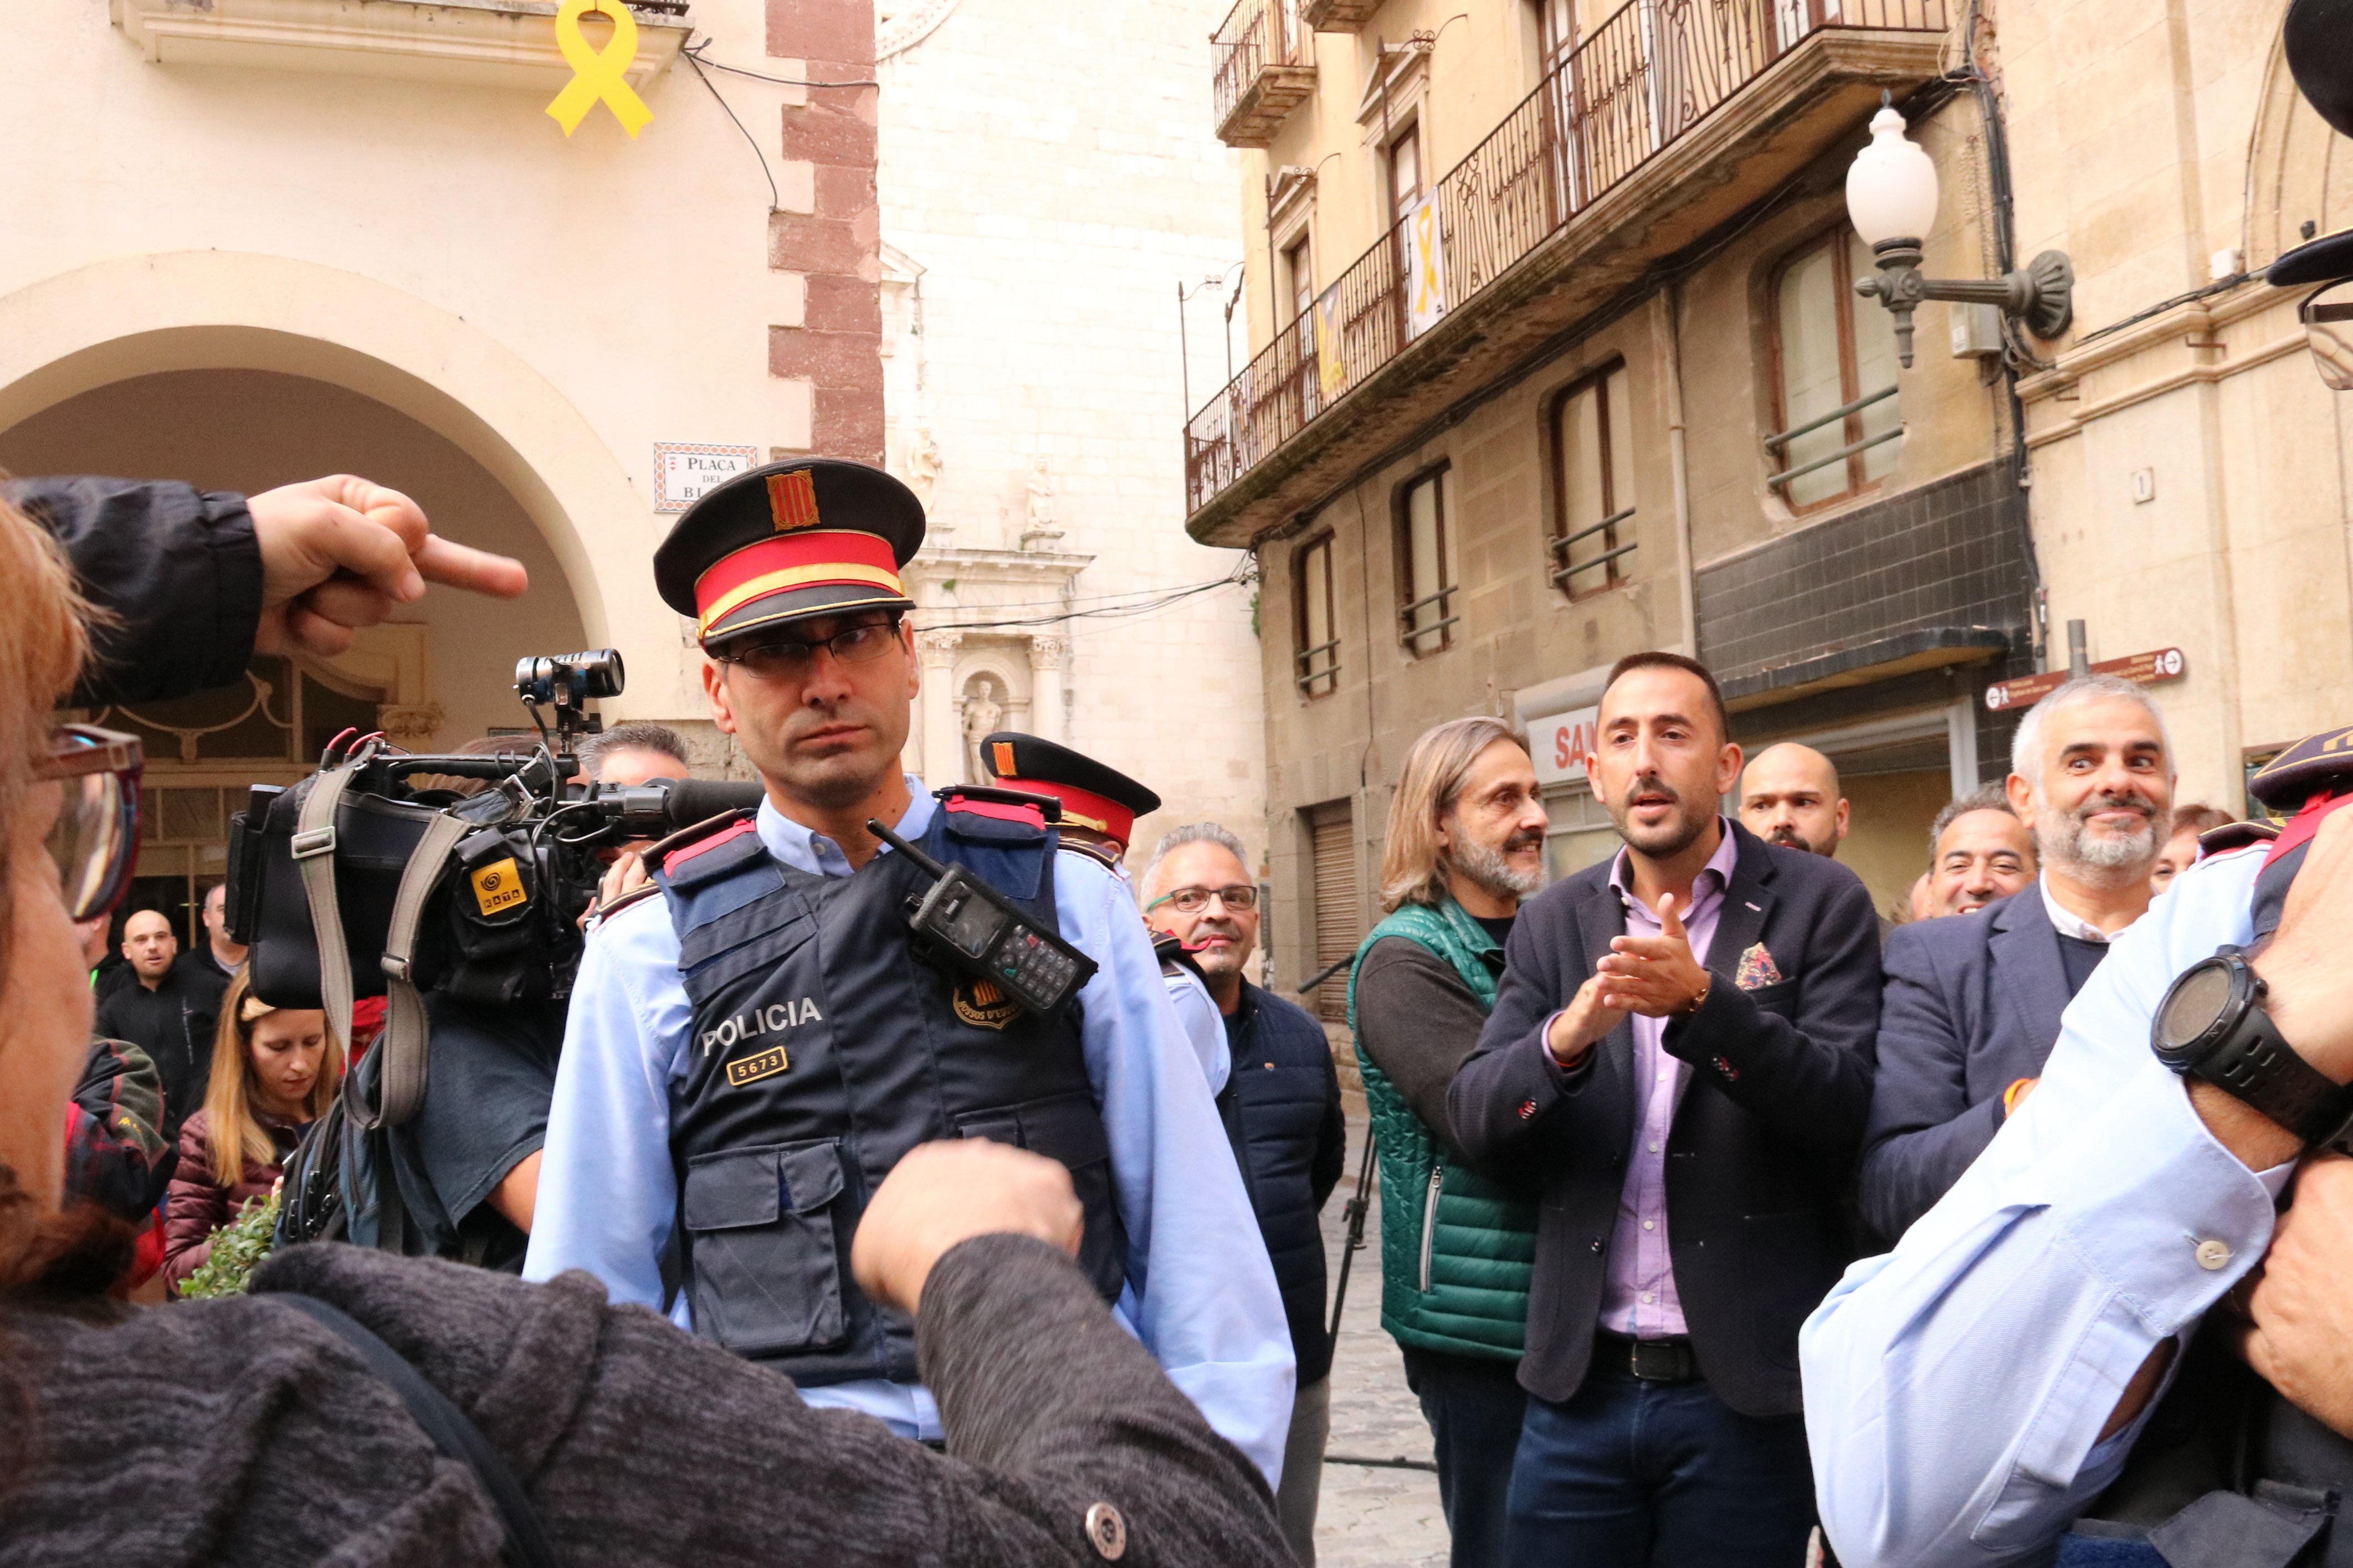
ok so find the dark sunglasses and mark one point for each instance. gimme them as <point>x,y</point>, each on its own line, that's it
<point>95,840</point>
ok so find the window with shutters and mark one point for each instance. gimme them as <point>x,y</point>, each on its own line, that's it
<point>1425,572</point>
<point>1331,828</point>
<point>1593,485</point>
<point>1834,359</point>
<point>1314,629</point>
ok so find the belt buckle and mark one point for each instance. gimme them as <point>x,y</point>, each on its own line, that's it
<point>1657,1360</point>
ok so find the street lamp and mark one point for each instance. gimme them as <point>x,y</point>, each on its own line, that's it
<point>1890,196</point>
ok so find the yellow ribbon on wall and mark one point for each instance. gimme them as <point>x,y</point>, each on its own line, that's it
<point>597,74</point>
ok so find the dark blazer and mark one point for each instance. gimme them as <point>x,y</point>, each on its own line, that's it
<point>1972,1005</point>
<point>1760,1147</point>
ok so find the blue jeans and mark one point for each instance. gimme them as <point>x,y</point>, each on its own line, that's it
<point>1473,1405</point>
<point>1629,1474</point>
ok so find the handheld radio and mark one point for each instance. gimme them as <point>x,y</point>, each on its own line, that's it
<point>966,924</point>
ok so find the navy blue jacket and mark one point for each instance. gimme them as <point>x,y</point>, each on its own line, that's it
<point>1281,1110</point>
<point>1761,1147</point>
<point>1972,1005</point>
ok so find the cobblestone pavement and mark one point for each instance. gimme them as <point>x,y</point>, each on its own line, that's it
<point>1372,1516</point>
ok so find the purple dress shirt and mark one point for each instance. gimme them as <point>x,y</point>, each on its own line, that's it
<point>1638,1297</point>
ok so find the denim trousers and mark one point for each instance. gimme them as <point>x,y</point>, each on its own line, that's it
<point>1634,1474</point>
<point>1473,1405</point>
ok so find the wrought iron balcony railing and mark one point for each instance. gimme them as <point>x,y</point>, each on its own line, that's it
<point>1637,83</point>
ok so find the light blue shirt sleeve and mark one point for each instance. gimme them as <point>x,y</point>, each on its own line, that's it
<point>1200,1291</point>
<point>1204,1026</point>
<point>1955,1388</point>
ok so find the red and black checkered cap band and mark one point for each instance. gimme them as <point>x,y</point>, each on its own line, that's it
<point>809,571</point>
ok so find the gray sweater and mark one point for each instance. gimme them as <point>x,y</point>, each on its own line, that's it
<point>239,1431</point>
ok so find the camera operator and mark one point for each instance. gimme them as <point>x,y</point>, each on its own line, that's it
<point>768,1030</point>
<point>635,1445</point>
<point>469,1163</point>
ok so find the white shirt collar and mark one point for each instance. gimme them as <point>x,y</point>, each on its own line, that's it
<point>2066,920</point>
<point>806,849</point>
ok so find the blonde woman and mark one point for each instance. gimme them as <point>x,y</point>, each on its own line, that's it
<point>275,1072</point>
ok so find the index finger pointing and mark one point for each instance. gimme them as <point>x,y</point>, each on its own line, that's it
<point>477,570</point>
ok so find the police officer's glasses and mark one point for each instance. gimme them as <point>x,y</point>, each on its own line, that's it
<point>1241,899</point>
<point>95,840</point>
<point>777,659</point>
<point>2327,318</point>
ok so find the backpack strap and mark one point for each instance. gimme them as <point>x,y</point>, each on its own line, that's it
<point>526,1545</point>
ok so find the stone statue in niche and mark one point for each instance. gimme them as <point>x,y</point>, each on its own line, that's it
<point>1038,530</point>
<point>983,714</point>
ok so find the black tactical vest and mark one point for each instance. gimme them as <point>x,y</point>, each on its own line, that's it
<point>823,1050</point>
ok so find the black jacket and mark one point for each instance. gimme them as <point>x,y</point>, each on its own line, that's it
<point>1972,1005</point>
<point>176,570</point>
<point>173,1024</point>
<point>1281,1110</point>
<point>1760,1147</point>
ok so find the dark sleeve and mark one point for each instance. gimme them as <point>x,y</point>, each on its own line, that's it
<point>1924,1132</point>
<point>639,1443</point>
<point>176,570</point>
<point>1331,1138</point>
<point>1421,1022</point>
<point>1798,1055</point>
<point>1507,1089</point>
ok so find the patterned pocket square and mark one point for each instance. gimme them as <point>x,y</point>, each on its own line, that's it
<point>1758,970</point>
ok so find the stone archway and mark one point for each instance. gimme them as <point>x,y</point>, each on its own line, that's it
<point>148,315</point>
<point>2298,170</point>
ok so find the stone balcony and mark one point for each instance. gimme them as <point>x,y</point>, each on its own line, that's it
<point>1262,72</point>
<point>476,43</point>
<point>1645,139</point>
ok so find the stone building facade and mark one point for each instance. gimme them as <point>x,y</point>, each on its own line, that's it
<point>1556,356</point>
<point>256,241</point>
<point>1048,192</point>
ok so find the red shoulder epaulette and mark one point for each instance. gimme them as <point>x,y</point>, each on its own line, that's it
<point>708,834</point>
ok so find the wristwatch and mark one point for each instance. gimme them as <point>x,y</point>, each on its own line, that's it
<point>2213,1024</point>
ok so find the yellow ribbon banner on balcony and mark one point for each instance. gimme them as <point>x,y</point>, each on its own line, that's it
<point>1331,369</point>
<point>597,74</point>
<point>1425,254</point>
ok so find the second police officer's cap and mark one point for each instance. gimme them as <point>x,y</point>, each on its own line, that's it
<point>2320,764</point>
<point>813,537</point>
<point>1092,796</point>
<point>2314,40</point>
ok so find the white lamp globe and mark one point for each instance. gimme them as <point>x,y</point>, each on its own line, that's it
<point>1890,189</point>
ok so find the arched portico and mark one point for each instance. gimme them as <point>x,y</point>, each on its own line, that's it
<point>142,315</point>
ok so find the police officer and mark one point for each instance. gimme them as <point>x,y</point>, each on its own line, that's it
<point>1099,807</point>
<point>755,1042</point>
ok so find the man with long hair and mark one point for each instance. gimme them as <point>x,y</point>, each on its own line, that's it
<point>1465,845</point>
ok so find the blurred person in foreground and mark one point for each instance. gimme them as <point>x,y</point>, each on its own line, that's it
<point>2030,1354</point>
<point>1682,1047</point>
<point>1979,851</point>
<point>275,1071</point>
<point>1465,843</point>
<point>1790,796</point>
<point>1281,1106</point>
<point>1972,1005</point>
<point>2181,851</point>
<point>636,1444</point>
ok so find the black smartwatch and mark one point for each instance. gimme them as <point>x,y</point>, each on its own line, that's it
<point>2212,1024</point>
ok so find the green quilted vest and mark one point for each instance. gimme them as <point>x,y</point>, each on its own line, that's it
<point>1456,1250</point>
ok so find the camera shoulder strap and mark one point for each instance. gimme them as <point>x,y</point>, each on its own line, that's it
<point>314,853</point>
<point>404,1039</point>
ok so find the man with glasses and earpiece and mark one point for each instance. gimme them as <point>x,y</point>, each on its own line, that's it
<point>1281,1104</point>
<point>756,1038</point>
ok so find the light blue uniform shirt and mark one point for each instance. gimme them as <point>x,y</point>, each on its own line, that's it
<point>1200,1293</point>
<point>1956,1387</point>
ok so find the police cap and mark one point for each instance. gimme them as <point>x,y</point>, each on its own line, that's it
<point>2318,764</point>
<point>2313,39</point>
<point>817,536</point>
<point>1092,796</point>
